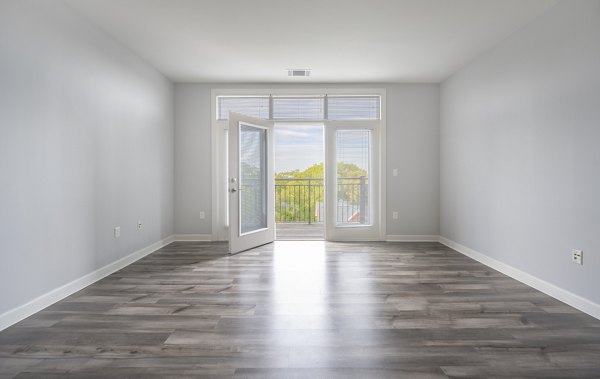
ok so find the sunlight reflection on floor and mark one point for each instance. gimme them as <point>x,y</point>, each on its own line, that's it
<point>299,271</point>
<point>300,285</point>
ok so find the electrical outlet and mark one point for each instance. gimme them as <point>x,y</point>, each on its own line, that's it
<point>395,215</point>
<point>140,225</point>
<point>202,215</point>
<point>117,232</point>
<point>577,256</point>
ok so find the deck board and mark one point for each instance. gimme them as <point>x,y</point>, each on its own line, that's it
<point>299,231</point>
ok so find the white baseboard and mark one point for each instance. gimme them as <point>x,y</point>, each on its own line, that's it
<point>411,238</point>
<point>192,237</point>
<point>563,295</point>
<point>15,315</point>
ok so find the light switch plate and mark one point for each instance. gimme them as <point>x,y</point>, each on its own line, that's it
<point>577,256</point>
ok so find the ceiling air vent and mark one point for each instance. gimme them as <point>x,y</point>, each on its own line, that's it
<point>299,72</point>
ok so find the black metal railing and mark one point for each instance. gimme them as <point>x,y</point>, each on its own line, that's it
<point>301,200</point>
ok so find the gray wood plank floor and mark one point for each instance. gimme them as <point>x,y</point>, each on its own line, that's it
<point>304,310</point>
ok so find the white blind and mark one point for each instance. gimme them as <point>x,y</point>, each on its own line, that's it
<point>353,107</point>
<point>253,106</point>
<point>253,196</point>
<point>300,108</point>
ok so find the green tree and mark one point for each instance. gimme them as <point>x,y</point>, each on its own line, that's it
<point>298,200</point>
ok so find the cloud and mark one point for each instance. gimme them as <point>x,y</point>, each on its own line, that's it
<point>293,138</point>
<point>298,146</point>
<point>297,157</point>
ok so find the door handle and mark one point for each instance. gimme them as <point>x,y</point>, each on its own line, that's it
<point>233,189</point>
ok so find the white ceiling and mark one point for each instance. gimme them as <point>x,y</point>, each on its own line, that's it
<point>340,40</point>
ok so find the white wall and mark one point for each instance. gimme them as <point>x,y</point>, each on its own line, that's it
<point>520,162</point>
<point>412,147</point>
<point>86,143</point>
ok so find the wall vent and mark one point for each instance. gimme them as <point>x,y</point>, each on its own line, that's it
<point>299,72</point>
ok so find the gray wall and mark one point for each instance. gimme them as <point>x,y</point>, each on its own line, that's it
<point>86,143</point>
<point>412,147</point>
<point>520,162</point>
<point>193,188</point>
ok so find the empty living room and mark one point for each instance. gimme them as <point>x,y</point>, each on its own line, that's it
<point>317,189</point>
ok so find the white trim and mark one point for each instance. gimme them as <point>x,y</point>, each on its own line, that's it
<point>215,151</point>
<point>21,312</point>
<point>350,239</point>
<point>291,91</point>
<point>382,164</point>
<point>193,237</point>
<point>541,285</point>
<point>411,238</point>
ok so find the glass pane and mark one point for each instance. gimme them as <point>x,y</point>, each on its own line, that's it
<point>253,106</point>
<point>298,108</point>
<point>299,183</point>
<point>353,163</point>
<point>253,178</point>
<point>353,107</point>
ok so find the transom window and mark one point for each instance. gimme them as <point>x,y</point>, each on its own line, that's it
<point>302,108</point>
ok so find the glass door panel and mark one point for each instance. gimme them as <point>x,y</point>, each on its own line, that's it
<point>353,165</point>
<point>253,178</point>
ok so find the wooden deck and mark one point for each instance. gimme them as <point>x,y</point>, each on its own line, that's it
<point>300,231</point>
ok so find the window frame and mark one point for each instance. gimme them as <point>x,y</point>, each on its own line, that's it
<point>219,129</point>
<point>274,95</point>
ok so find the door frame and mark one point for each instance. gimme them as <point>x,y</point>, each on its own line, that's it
<point>219,131</point>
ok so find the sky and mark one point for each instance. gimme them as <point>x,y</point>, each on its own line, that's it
<point>299,146</point>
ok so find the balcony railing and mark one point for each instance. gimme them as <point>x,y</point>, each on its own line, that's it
<point>302,200</point>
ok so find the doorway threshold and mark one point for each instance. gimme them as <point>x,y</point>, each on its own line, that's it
<point>292,231</point>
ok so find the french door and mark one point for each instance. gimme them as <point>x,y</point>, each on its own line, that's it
<point>353,181</point>
<point>251,183</point>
